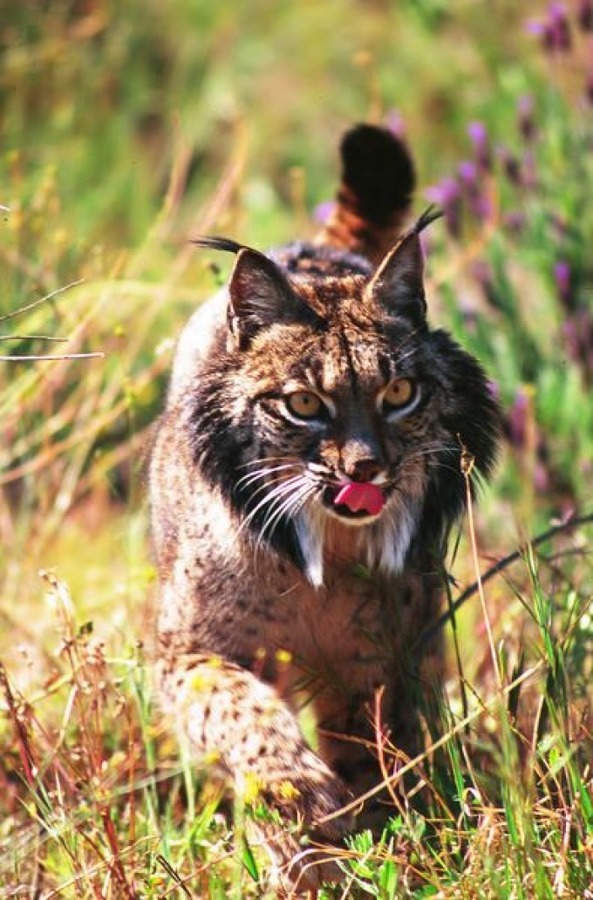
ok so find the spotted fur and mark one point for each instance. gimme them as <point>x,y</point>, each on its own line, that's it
<point>270,590</point>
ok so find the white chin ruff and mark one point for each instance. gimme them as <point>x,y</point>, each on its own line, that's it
<point>382,542</point>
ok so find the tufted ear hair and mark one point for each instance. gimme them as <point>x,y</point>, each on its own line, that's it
<point>259,293</point>
<point>260,296</point>
<point>397,286</point>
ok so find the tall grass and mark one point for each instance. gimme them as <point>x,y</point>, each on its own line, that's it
<point>127,129</point>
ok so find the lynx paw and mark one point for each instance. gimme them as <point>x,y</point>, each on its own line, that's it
<point>301,844</point>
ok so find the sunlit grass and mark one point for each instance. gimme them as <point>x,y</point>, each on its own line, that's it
<point>130,128</point>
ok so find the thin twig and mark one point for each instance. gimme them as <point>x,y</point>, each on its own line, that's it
<point>467,464</point>
<point>32,337</point>
<point>29,306</point>
<point>24,745</point>
<point>171,871</point>
<point>51,357</point>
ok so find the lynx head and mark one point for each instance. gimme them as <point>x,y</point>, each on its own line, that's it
<point>328,403</point>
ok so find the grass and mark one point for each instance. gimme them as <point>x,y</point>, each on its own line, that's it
<point>128,128</point>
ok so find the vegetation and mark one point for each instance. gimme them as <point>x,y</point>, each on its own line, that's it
<point>127,129</point>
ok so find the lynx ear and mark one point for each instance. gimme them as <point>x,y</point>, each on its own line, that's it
<point>260,296</point>
<point>397,286</point>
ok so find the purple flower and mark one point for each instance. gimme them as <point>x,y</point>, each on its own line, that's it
<point>469,315</point>
<point>518,419</point>
<point>585,15</point>
<point>481,207</point>
<point>564,283</point>
<point>525,117</point>
<point>478,135</point>
<point>554,33</point>
<point>535,27</point>
<point>571,337</point>
<point>541,478</point>
<point>578,337</point>
<point>529,176</point>
<point>559,28</point>
<point>589,89</point>
<point>482,274</point>
<point>493,389</point>
<point>444,192</point>
<point>395,123</point>
<point>447,195</point>
<point>514,221</point>
<point>468,172</point>
<point>323,211</point>
<point>510,165</point>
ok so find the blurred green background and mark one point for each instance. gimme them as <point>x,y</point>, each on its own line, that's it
<point>127,128</point>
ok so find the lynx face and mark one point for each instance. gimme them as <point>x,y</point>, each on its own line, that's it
<point>340,409</point>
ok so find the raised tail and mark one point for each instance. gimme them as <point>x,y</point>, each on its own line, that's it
<point>375,193</point>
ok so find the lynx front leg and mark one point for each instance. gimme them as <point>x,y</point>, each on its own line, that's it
<point>354,730</point>
<point>234,718</point>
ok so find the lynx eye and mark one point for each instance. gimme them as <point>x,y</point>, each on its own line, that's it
<point>400,393</point>
<point>304,404</point>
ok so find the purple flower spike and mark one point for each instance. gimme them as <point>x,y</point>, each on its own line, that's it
<point>468,172</point>
<point>525,117</point>
<point>554,34</point>
<point>564,283</point>
<point>514,221</point>
<point>323,211</point>
<point>585,15</point>
<point>493,389</point>
<point>478,135</point>
<point>558,28</point>
<point>510,164</point>
<point>578,338</point>
<point>535,27</point>
<point>529,173</point>
<point>447,195</point>
<point>541,478</point>
<point>482,274</point>
<point>481,207</point>
<point>556,11</point>
<point>469,315</point>
<point>517,419</point>
<point>589,89</point>
<point>395,123</point>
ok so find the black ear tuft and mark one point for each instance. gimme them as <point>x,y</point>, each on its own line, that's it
<point>213,242</point>
<point>430,215</point>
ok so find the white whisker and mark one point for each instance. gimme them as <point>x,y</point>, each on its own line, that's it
<point>284,508</point>
<point>277,491</point>
<point>265,460</point>
<point>250,477</point>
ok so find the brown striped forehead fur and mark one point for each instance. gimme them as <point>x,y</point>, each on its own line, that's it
<point>352,345</point>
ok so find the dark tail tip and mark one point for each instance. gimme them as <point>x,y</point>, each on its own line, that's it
<point>378,170</point>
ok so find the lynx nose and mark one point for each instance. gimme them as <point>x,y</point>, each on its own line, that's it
<point>361,457</point>
<point>363,469</point>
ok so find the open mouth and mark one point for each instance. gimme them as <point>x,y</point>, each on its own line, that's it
<point>355,500</point>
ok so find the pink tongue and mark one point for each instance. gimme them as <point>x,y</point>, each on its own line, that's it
<point>358,497</point>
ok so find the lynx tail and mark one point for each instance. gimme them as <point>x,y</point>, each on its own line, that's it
<point>378,179</point>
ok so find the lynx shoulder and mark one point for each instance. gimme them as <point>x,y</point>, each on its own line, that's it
<point>305,477</point>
